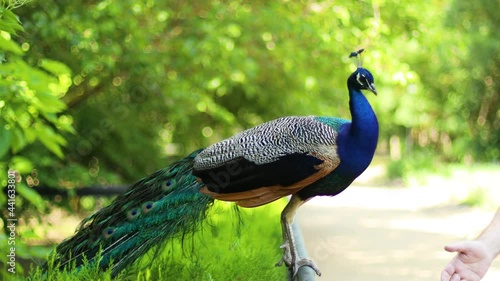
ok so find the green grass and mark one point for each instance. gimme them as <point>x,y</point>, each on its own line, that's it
<point>233,245</point>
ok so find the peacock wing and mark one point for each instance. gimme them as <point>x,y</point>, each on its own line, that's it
<point>269,161</point>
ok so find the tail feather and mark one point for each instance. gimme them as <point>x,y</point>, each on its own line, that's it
<point>165,205</point>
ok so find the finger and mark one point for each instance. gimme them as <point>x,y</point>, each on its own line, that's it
<point>445,276</point>
<point>455,277</point>
<point>447,272</point>
<point>458,247</point>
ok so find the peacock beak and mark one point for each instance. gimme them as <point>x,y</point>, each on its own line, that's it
<point>371,87</point>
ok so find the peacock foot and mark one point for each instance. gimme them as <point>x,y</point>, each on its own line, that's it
<point>293,263</point>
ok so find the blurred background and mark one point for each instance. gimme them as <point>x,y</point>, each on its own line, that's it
<point>99,94</point>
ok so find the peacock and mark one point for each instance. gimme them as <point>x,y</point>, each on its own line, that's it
<point>301,156</point>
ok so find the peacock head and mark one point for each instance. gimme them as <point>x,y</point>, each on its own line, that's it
<point>361,79</point>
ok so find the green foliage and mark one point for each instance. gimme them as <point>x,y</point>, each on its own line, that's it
<point>457,70</point>
<point>250,236</point>
<point>31,107</point>
<point>421,162</point>
<point>30,103</point>
<point>10,24</point>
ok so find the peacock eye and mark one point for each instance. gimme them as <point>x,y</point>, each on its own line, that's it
<point>360,78</point>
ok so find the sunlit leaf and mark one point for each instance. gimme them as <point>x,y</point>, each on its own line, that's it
<point>10,46</point>
<point>31,195</point>
<point>51,140</point>
<point>18,140</point>
<point>21,164</point>
<point>55,67</point>
<point>9,22</point>
<point>5,140</point>
<point>50,103</point>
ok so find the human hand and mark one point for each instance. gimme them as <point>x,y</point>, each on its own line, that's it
<point>470,264</point>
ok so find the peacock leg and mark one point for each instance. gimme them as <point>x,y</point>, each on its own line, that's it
<point>290,254</point>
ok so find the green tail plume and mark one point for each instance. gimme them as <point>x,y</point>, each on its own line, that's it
<point>156,209</point>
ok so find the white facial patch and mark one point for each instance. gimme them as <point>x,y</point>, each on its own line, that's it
<point>358,78</point>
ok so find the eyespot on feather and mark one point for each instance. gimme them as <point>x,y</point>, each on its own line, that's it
<point>168,185</point>
<point>148,206</point>
<point>133,214</point>
<point>108,232</point>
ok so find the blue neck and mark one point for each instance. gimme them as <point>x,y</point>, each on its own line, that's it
<point>364,122</point>
<point>358,139</point>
